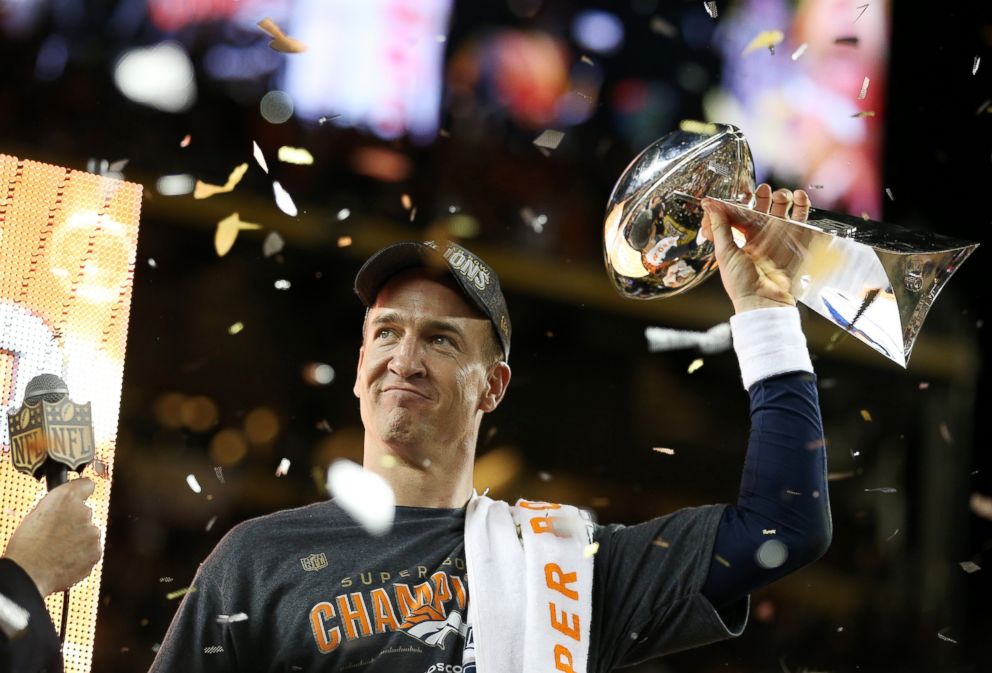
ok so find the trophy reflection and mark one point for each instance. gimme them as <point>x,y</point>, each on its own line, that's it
<point>875,281</point>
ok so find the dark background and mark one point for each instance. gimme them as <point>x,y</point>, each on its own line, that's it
<point>587,401</point>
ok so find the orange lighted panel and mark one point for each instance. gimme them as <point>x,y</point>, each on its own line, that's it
<point>68,241</point>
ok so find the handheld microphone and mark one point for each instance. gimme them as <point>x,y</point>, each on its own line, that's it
<point>50,434</point>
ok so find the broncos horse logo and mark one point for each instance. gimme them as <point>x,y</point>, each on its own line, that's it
<point>429,625</point>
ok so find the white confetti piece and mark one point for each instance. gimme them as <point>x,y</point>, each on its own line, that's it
<point>585,59</point>
<point>213,649</point>
<point>544,476</point>
<point>343,214</point>
<point>273,244</point>
<point>118,165</point>
<point>219,471</point>
<point>670,452</point>
<point>970,567</point>
<point>549,139</point>
<point>884,489</point>
<point>711,9</point>
<point>165,580</point>
<point>210,524</point>
<point>283,467</point>
<point>365,496</point>
<point>974,67</point>
<point>768,531</point>
<point>799,51</point>
<point>714,340</point>
<point>295,155</point>
<point>259,157</point>
<point>152,263</point>
<point>943,637</point>
<point>695,365</point>
<point>590,550</point>
<point>661,27</point>
<point>230,619</point>
<point>13,618</point>
<point>193,483</point>
<point>888,192</point>
<point>282,284</point>
<point>284,200</point>
<point>864,90</point>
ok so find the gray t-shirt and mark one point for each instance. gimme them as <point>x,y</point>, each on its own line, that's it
<point>321,594</point>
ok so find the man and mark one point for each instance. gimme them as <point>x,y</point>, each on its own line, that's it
<point>322,594</point>
<point>55,546</point>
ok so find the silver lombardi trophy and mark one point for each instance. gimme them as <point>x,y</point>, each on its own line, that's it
<point>875,281</point>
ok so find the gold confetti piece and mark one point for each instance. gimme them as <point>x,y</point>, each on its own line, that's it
<point>661,27</point>
<point>800,51</point>
<point>281,41</point>
<point>284,200</point>
<point>259,156</point>
<point>695,126</point>
<point>660,543</point>
<point>590,550</point>
<point>180,592</point>
<point>406,201</point>
<point>766,38</point>
<point>865,414</point>
<point>670,452</point>
<point>969,566</point>
<point>585,59</point>
<point>235,328</point>
<point>295,155</point>
<point>722,560</point>
<point>283,467</point>
<point>344,241</point>
<point>186,140</point>
<point>204,190</point>
<point>711,9</point>
<point>863,8</point>
<point>227,233</point>
<point>549,139</point>
<point>864,90</point>
<point>695,365</point>
<point>866,113</point>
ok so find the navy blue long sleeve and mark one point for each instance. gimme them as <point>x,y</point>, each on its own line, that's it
<point>782,518</point>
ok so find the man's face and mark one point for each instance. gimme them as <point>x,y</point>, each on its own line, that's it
<point>422,376</point>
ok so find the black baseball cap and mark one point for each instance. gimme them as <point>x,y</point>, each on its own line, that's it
<point>476,279</point>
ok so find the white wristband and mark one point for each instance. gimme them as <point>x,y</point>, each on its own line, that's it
<point>769,341</point>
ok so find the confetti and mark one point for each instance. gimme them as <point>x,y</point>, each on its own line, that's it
<point>969,567</point>
<point>670,452</point>
<point>590,550</point>
<point>165,580</point>
<point>13,618</point>
<point>849,41</point>
<point>766,38</point>
<point>974,67</point>
<point>213,649</point>
<point>549,139</point>
<point>800,51</point>
<point>544,476</point>
<point>661,27</point>
<point>406,201</point>
<point>695,126</point>
<point>295,155</point>
<point>284,200</point>
<point>281,41</point>
<point>533,220</point>
<point>888,192</point>
<point>259,156</point>
<point>364,495</point>
<point>152,263</point>
<point>235,328</point>
<point>866,415</point>
<point>660,543</point>
<point>118,165</point>
<point>710,8</point>
<point>864,89</point>
<point>193,483</point>
<point>343,214</point>
<point>714,340</point>
<point>722,560</point>
<point>893,535</point>
<point>862,115</point>
<point>791,492</point>
<point>180,592</point>
<point>389,461</point>
<point>101,469</point>
<point>695,365</point>
<point>273,244</point>
<point>219,471</point>
<point>283,467</point>
<point>230,619</point>
<point>227,233</point>
<point>768,531</point>
<point>204,190</point>
<point>943,637</point>
<point>282,284</point>
<point>945,433</point>
<point>923,385</point>
<point>186,140</point>
<point>344,241</point>
<point>983,107</point>
<point>863,8</point>
<point>210,524</point>
<point>883,489</point>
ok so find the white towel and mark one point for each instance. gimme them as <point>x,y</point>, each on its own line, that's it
<point>530,585</point>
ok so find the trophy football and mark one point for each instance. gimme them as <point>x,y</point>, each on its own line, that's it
<point>875,281</point>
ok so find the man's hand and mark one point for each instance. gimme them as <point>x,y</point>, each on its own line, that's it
<point>761,273</point>
<point>57,543</point>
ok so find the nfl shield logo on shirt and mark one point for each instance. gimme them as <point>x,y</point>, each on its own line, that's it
<point>314,562</point>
